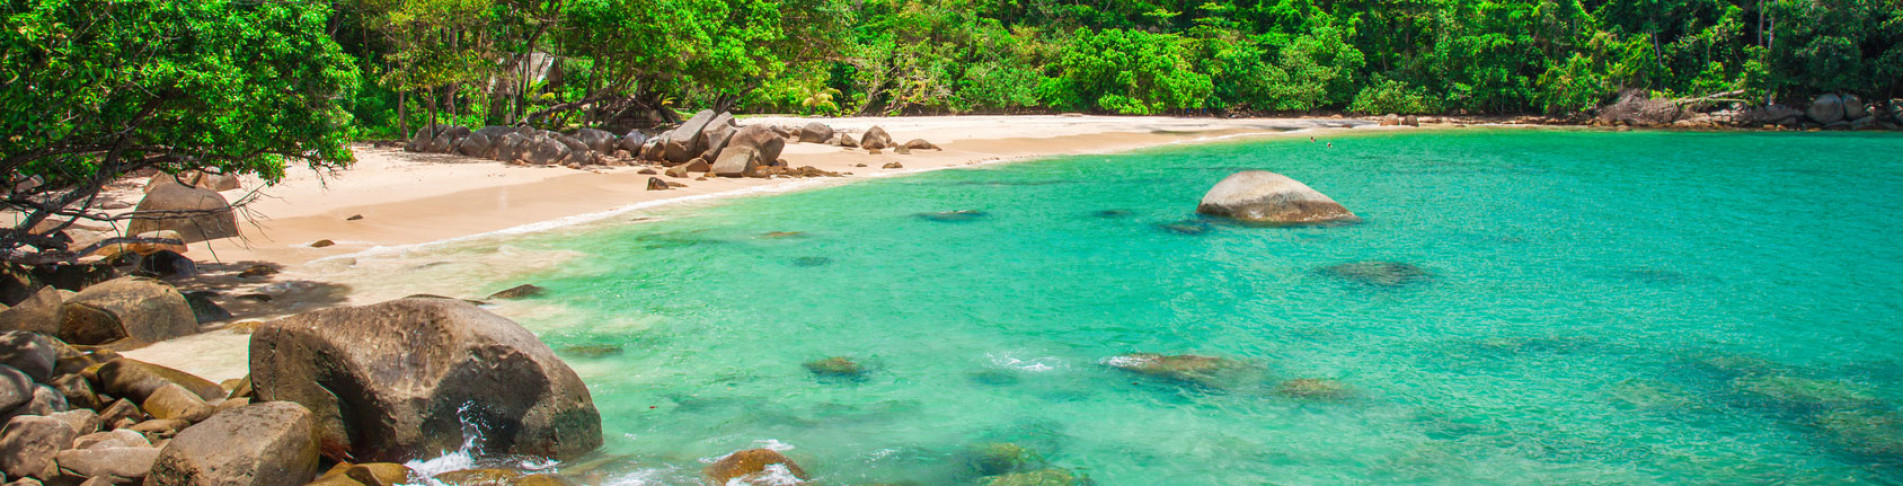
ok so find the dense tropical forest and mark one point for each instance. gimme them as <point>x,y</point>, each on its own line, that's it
<point>393,64</point>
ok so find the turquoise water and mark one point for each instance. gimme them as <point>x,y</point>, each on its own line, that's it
<point>1600,308</point>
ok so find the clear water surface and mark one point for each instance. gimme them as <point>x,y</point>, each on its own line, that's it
<point>1600,308</point>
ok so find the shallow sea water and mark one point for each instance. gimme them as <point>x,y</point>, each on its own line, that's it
<point>1599,308</point>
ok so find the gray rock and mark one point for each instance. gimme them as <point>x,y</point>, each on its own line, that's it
<point>632,142</point>
<point>266,444</point>
<point>1826,109</point>
<point>38,312</point>
<point>16,388</point>
<point>816,132</point>
<point>476,145</point>
<point>82,421</point>
<point>597,140</point>
<point>875,139</point>
<point>395,381</point>
<point>1266,197</point>
<point>1853,107</point>
<point>28,445</point>
<point>735,162</point>
<point>141,310</point>
<point>196,214</point>
<point>680,144</point>
<point>45,401</point>
<point>137,380</point>
<point>121,465</point>
<point>548,151</point>
<point>173,402</point>
<point>30,353</point>
<point>110,439</point>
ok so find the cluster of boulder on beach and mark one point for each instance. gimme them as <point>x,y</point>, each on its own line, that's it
<point>339,397</point>
<point>709,143</point>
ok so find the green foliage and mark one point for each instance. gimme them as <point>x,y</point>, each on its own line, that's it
<point>1384,96</point>
<point>99,88</point>
<point>96,86</point>
<point>1128,72</point>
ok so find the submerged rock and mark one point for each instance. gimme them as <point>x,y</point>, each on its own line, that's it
<point>1111,213</point>
<point>523,291</point>
<point>396,381</point>
<point>1184,368</point>
<point>995,458</point>
<point>592,350</point>
<point>785,234</point>
<point>1312,388</point>
<point>812,261</point>
<point>1042,477</point>
<point>1186,227</point>
<point>959,216</point>
<point>837,366</point>
<point>1866,432</point>
<point>1385,274</point>
<point>1796,392</point>
<point>755,467</point>
<point>1258,196</point>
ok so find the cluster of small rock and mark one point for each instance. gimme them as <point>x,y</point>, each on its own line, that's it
<point>1830,111</point>
<point>708,143</point>
<point>527,145</point>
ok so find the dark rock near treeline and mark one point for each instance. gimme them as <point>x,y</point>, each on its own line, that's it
<point>1258,196</point>
<point>815,132</point>
<point>875,139</point>
<point>395,381</point>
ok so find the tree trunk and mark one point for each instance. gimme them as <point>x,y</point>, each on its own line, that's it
<point>402,121</point>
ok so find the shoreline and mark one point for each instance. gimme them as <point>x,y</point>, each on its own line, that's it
<point>481,199</point>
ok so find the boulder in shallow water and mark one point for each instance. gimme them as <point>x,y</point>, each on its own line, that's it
<point>1259,196</point>
<point>523,291</point>
<point>1314,389</point>
<point>1876,433</point>
<point>1185,227</point>
<point>266,444</point>
<point>1379,273</point>
<point>994,458</point>
<point>959,216</point>
<point>837,366</point>
<point>755,467</point>
<point>1185,368</point>
<point>396,381</point>
<point>1042,477</point>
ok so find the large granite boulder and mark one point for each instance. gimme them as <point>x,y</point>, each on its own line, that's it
<point>424,135</point>
<point>447,141</point>
<point>510,146</point>
<point>138,381</point>
<point>30,353</point>
<point>678,145</point>
<point>735,162</point>
<point>714,139</point>
<point>597,140</point>
<point>765,143</point>
<point>1826,109</point>
<point>28,444</point>
<point>1259,196</point>
<point>546,151</point>
<point>1853,107</point>
<point>632,142</point>
<point>38,313</point>
<point>815,132</point>
<point>755,467</point>
<point>197,214</point>
<point>264,444</point>
<point>398,380</point>
<point>875,139</point>
<point>477,145</point>
<point>140,310</point>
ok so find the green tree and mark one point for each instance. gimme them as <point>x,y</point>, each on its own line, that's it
<point>100,88</point>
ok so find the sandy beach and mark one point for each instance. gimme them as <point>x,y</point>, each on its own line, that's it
<point>409,199</point>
